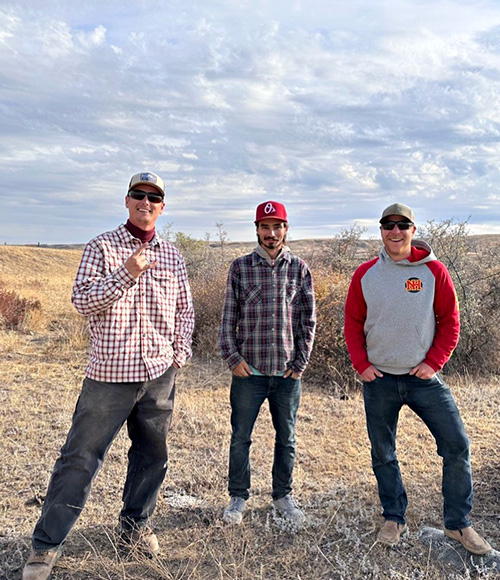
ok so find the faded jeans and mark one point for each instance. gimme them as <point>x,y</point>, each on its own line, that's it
<point>247,396</point>
<point>433,402</point>
<point>100,412</point>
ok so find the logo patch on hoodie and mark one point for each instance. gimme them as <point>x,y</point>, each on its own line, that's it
<point>413,285</point>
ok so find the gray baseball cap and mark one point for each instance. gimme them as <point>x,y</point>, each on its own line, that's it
<point>398,209</point>
<point>150,178</point>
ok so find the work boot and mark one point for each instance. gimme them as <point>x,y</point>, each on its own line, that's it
<point>40,563</point>
<point>390,533</point>
<point>288,508</point>
<point>233,514</point>
<point>141,540</point>
<point>470,540</point>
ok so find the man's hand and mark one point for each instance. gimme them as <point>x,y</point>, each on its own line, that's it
<point>423,371</point>
<point>137,263</point>
<point>291,375</point>
<point>242,370</point>
<point>370,374</point>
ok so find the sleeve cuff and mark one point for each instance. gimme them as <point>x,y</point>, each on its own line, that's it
<point>361,367</point>
<point>433,365</point>
<point>234,360</point>
<point>124,277</point>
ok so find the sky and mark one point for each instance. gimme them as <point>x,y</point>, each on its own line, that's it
<point>335,109</point>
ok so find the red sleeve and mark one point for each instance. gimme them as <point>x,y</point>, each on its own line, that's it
<point>355,317</point>
<point>447,317</point>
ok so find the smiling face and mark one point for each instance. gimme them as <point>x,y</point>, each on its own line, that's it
<point>398,242</point>
<point>143,213</point>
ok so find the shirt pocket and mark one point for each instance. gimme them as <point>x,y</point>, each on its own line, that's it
<point>163,283</point>
<point>292,293</point>
<point>252,295</point>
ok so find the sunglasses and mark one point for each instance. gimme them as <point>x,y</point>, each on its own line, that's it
<point>139,195</point>
<point>401,225</point>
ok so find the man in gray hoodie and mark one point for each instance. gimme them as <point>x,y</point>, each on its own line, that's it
<point>407,287</point>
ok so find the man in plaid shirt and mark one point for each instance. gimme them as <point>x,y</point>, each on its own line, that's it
<point>133,288</point>
<point>266,337</point>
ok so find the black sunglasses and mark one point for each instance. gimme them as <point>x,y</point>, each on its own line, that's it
<point>139,195</point>
<point>401,225</point>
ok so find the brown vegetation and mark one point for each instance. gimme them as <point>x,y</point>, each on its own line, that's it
<point>16,313</point>
<point>41,371</point>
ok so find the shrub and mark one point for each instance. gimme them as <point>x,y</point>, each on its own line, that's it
<point>15,311</point>
<point>208,288</point>
<point>207,271</point>
<point>474,265</point>
<point>473,261</point>
<point>330,366</point>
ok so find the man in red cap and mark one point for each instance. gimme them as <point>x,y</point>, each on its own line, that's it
<point>266,337</point>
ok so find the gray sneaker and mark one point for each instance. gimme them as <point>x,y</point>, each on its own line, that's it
<point>288,508</point>
<point>233,514</point>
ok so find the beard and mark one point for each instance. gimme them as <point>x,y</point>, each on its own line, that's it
<point>270,242</point>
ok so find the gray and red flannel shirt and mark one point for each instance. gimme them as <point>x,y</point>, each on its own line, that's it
<point>138,327</point>
<point>269,315</point>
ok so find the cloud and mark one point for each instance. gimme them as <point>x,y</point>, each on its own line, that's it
<point>334,112</point>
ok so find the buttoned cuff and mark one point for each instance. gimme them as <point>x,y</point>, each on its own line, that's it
<point>234,360</point>
<point>124,277</point>
<point>297,370</point>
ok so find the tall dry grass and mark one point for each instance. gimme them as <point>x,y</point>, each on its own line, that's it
<point>40,377</point>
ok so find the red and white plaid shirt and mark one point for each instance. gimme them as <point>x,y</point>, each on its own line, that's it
<point>138,327</point>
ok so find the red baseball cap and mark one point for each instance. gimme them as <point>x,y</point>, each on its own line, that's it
<point>271,209</point>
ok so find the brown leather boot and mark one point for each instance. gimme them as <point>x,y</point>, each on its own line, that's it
<point>390,533</point>
<point>470,540</point>
<point>40,563</point>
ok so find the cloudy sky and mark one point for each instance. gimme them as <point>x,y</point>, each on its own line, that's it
<point>336,108</point>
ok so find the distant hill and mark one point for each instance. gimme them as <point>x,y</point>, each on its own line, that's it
<point>299,246</point>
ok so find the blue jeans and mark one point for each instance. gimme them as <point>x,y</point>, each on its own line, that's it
<point>100,412</point>
<point>247,396</point>
<point>433,402</point>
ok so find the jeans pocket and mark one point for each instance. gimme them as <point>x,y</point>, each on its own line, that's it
<point>436,379</point>
<point>238,378</point>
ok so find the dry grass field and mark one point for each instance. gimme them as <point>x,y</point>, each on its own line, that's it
<point>41,370</point>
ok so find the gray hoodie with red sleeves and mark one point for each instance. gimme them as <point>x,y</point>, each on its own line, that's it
<point>399,314</point>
